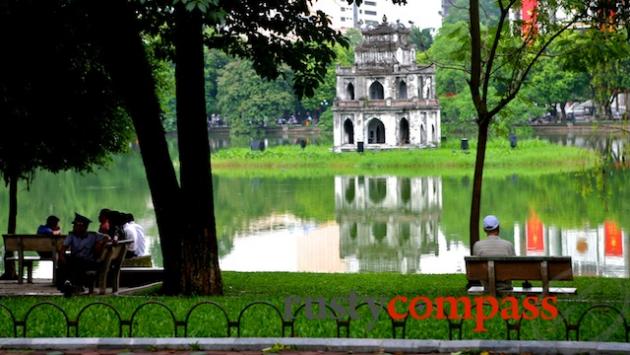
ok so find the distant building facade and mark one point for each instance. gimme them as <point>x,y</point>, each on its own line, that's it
<point>344,16</point>
<point>385,100</point>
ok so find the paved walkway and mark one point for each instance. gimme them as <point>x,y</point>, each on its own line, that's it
<point>195,346</point>
<point>41,287</point>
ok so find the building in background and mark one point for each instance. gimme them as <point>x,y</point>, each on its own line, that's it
<point>422,14</point>
<point>446,5</point>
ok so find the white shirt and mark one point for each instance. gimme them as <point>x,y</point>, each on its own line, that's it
<point>135,233</point>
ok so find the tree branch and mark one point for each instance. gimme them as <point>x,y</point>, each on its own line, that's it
<point>519,79</point>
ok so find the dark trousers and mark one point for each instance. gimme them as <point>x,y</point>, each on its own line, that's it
<point>74,269</point>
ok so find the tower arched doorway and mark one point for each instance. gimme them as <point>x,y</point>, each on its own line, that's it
<point>376,132</point>
<point>404,131</point>
<point>348,132</point>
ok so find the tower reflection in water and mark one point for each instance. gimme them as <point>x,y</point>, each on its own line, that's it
<point>390,223</point>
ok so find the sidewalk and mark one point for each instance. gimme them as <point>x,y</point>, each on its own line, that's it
<point>197,346</point>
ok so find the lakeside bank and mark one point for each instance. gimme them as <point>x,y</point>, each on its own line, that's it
<point>529,157</point>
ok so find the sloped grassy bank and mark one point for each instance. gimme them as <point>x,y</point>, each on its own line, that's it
<point>530,157</point>
<point>274,287</point>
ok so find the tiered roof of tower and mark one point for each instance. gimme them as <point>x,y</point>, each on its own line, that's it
<point>384,45</point>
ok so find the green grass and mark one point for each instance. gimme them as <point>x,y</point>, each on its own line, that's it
<point>244,288</point>
<point>530,157</point>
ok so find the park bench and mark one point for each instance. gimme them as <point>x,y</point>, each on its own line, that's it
<point>22,243</point>
<point>528,268</point>
<point>110,263</point>
<point>138,261</point>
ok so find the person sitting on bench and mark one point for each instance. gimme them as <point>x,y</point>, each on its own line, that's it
<point>494,246</point>
<point>135,233</point>
<point>50,228</point>
<point>85,247</point>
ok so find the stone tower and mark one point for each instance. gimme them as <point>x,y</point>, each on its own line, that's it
<point>385,100</point>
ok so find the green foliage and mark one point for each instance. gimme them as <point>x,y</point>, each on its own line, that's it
<point>458,12</point>
<point>603,57</point>
<point>247,101</point>
<point>215,60</point>
<point>326,92</point>
<point>451,52</point>
<point>164,74</point>
<point>326,121</point>
<point>529,158</point>
<point>553,84</point>
<point>421,38</point>
<point>61,113</point>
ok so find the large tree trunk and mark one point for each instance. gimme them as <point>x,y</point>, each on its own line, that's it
<point>127,62</point>
<point>475,205</point>
<point>13,186</point>
<point>200,263</point>
<point>9,268</point>
<point>563,110</point>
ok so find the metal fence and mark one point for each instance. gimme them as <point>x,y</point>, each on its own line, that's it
<point>130,327</point>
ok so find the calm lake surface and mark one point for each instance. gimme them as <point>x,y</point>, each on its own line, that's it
<point>369,223</point>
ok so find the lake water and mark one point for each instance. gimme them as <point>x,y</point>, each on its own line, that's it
<point>370,223</point>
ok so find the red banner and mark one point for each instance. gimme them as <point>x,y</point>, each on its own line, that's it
<point>613,245</point>
<point>535,241</point>
<point>529,16</point>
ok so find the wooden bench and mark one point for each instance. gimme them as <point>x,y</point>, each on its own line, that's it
<point>22,243</point>
<point>138,261</point>
<point>529,268</point>
<point>110,260</point>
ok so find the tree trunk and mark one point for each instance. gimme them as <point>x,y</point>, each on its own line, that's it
<point>9,268</point>
<point>13,180</point>
<point>200,260</point>
<point>563,111</point>
<point>127,63</point>
<point>626,98</point>
<point>475,205</point>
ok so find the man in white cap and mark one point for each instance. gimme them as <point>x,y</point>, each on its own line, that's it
<point>494,245</point>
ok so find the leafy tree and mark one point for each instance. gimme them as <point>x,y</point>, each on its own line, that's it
<point>326,92</point>
<point>60,113</point>
<point>450,52</point>
<point>503,58</point>
<point>215,60</point>
<point>421,38</point>
<point>459,11</point>
<point>603,57</point>
<point>268,33</point>
<point>248,101</point>
<point>552,85</point>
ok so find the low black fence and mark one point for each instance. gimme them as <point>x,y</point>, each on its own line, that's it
<point>276,319</point>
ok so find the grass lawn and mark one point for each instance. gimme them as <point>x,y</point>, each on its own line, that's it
<point>244,288</point>
<point>530,157</point>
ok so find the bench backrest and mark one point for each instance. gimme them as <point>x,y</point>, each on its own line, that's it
<point>32,242</point>
<point>115,252</point>
<point>520,268</point>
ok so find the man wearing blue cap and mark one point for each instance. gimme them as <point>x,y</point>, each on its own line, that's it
<point>85,247</point>
<point>494,245</point>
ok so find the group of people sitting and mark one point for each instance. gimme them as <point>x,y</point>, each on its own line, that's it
<point>85,246</point>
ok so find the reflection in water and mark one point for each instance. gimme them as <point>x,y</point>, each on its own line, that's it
<point>614,148</point>
<point>388,223</point>
<point>361,223</point>
<point>600,251</point>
